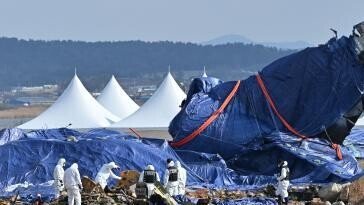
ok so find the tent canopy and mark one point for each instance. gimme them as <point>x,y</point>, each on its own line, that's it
<point>159,110</point>
<point>75,108</point>
<point>114,98</point>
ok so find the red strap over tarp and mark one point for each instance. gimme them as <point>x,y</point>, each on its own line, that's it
<point>213,117</point>
<point>135,132</point>
<point>284,122</point>
<point>274,108</point>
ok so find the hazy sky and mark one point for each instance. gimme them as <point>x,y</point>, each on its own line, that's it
<point>183,20</point>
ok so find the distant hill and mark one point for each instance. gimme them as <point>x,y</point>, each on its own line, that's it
<point>42,62</point>
<point>232,38</point>
<point>226,39</point>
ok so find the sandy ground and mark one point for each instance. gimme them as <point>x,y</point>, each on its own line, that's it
<point>22,112</point>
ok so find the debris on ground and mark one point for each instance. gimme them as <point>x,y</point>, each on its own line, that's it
<point>330,194</point>
<point>356,192</point>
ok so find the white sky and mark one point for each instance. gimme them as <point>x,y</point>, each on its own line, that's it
<point>183,20</point>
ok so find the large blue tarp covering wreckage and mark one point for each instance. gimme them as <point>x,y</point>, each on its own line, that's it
<point>317,92</point>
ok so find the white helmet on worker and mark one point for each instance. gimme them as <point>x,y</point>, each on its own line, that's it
<point>285,163</point>
<point>150,167</point>
<point>62,162</point>
<point>113,165</point>
<point>170,164</point>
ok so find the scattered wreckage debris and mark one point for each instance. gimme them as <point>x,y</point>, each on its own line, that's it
<point>124,193</point>
<point>128,178</point>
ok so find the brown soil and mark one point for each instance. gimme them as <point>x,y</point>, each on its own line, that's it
<point>356,192</point>
<point>22,112</point>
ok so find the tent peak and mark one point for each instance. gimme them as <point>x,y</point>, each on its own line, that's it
<point>204,74</point>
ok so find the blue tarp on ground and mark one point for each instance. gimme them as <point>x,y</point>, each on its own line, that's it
<point>8,135</point>
<point>32,159</point>
<point>313,89</point>
<point>355,143</point>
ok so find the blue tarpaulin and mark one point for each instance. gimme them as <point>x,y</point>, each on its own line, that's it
<point>315,90</point>
<point>32,158</point>
<point>8,135</point>
<point>355,143</point>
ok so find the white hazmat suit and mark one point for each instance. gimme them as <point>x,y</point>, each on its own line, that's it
<point>182,178</point>
<point>149,176</point>
<point>106,172</point>
<point>58,175</point>
<point>283,182</point>
<point>73,184</point>
<point>171,179</point>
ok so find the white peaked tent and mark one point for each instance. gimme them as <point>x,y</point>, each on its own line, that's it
<point>75,108</point>
<point>115,99</point>
<point>204,75</point>
<point>159,110</point>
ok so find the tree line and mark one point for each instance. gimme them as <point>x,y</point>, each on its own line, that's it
<point>36,62</point>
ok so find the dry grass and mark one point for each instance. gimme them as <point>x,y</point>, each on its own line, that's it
<point>22,112</point>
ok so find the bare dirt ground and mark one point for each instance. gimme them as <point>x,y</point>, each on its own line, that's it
<point>22,112</point>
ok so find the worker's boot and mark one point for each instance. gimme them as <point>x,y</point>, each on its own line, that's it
<point>285,201</point>
<point>279,200</point>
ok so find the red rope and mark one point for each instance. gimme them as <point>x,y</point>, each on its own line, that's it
<point>274,108</point>
<point>284,122</point>
<point>213,117</point>
<point>135,132</point>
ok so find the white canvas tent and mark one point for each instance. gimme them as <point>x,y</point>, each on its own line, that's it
<point>75,108</point>
<point>115,99</point>
<point>204,75</point>
<point>159,110</point>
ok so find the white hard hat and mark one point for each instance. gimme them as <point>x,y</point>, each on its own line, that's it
<point>170,164</point>
<point>113,165</point>
<point>150,167</point>
<point>61,161</point>
<point>285,163</point>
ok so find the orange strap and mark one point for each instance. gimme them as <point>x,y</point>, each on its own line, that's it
<point>135,132</point>
<point>213,117</point>
<point>337,148</point>
<point>274,108</point>
<point>284,122</point>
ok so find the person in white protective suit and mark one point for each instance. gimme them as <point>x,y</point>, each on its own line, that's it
<point>105,173</point>
<point>149,176</point>
<point>283,182</point>
<point>182,178</point>
<point>58,174</point>
<point>73,184</point>
<point>170,179</point>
